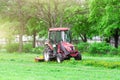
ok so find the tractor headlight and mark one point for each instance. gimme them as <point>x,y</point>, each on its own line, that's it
<point>54,45</point>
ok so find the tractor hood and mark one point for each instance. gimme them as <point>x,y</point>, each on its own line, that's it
<point>67,46</point>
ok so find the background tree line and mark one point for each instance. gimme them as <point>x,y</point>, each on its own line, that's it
<point>86,18</point>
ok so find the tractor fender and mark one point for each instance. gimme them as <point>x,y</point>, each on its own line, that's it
<point>74,54</point>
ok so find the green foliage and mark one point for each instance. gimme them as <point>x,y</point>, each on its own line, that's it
<point>110,21</point>
<point>38,50</point>
<point>102,48</point>
<point>12,47</point>
<point>35,25</point>
<point>104,17</point>
<point>113,51</point>
<point>27,47</point>
<point>77,17</point>
<point>97,17</point>
<point>98,48</point>
<point>119,50</point>
<point>83,47</point>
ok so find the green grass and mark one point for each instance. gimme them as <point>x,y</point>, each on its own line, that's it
<point>22,67</point>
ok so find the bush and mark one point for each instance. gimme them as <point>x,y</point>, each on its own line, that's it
<point>102,48</point>
<point>83,47</point>
<point>38,50</point>
<point>99,48</point>
<point>113,51</point>
<point>12,47</point>
<point>119,50</point>
<point>27,47</point>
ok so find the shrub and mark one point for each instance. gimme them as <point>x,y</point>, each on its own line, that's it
<point>113,51</point>
<point>38,50</point>
<point>119,50</point>
<point>99,48</point>
<point>27,47</point>
<point>83,47</point>
<point>12,47</point>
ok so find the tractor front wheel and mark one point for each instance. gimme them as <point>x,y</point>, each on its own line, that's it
<point>46,55</point>
<point>59,58</point>
<point>78,57</point>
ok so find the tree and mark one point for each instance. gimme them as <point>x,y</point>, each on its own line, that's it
<point>110,20</point>
<point>6,32</point>
<point>105,14</point>
<point>36,27</point>
<point>77,16</point>
<point>52,12</point>
<point>18,11</point>
<point>47,14</point>
<point>5,25</point>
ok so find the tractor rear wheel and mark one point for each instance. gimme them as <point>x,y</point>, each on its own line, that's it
<point>78,57</point>
<point>59,58</point>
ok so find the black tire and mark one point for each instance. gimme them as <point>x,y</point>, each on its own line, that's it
<point>68,58</point>
<point>78,57</point>
<point>46,55</point>
<point>59,58</point>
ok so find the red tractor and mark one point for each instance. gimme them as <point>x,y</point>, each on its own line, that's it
<point>59,47</point>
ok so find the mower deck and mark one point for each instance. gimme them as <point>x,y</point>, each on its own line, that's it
<point>39,59</point>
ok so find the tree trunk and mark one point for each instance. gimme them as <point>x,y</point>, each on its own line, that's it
<point>83,37</point>
<point>21,32</point>
<point>107,40</point>
<point>20,42</point>
<point>34,39</point>
<point>116,38</point>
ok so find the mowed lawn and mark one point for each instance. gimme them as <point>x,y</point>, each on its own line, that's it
<point>22,67</point>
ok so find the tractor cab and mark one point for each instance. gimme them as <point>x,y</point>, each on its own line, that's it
<point>57,35</point>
